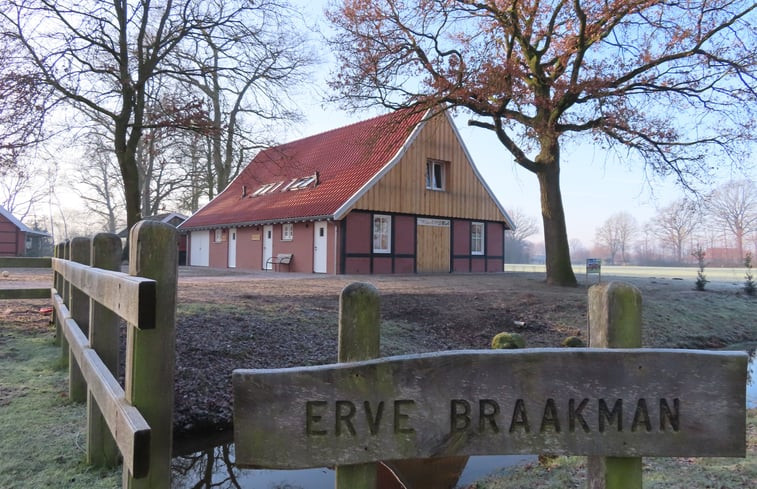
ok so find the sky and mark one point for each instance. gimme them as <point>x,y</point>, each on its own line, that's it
<point>595,184</point>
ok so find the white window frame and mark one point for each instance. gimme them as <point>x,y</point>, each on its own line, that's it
<point>382,234</point>
<point>287,231</point>
<point>477,246</point>
<point>218,237</point>
<point>436,180</point>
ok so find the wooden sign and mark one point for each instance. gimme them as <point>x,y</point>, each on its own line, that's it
<point>612,402</point>
<point>440,223</point>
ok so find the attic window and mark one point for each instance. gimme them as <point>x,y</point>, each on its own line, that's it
<point>263,189</point>
<point>302,182</point>
<point>294,184</point>
<point>436,174</point>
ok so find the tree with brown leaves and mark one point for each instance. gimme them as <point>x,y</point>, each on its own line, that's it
<point>672,81</point>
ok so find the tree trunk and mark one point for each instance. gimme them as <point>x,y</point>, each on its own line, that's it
<point>559,269</point>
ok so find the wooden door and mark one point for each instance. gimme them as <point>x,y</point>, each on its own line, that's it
<point>433,247</point>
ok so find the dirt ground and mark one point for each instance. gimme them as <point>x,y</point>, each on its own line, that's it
<point>265,320</point>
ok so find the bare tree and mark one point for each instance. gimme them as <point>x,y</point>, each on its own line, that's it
<point>102,57</point>
<point>676,223</point>
<point>98,182</point>
<point>733,206</point>
<point>23,104</point>
<point>516,247</point>
<point>21,188</point>
<point>672,81</point>
<point>245,71</point>
<point>616,234</point>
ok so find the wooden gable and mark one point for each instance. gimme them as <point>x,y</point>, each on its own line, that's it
<point>403,188</point>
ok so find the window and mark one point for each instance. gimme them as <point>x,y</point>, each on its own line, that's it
<point>435,174</point>
<point>219,235</point>
<point>287,232</point>
<point>477,238</point>
<point>382,234</point>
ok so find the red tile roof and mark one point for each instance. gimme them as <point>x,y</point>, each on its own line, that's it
<point>346,159</point>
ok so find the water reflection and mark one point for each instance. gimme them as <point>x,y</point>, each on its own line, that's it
<point>214,468</point>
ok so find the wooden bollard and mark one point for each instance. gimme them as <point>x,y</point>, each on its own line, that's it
<point>79,307</point>
<point>359,339</point>
<point>150,352</point>
<point>614,322</point>
<point>104,339</point>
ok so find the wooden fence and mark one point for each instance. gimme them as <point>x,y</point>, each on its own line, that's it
<point>90,299</point>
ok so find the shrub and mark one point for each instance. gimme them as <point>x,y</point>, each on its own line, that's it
<point>701,282</point>
<point>749,285</point>
<point>508,341</point>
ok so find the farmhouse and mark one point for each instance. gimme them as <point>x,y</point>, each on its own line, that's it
<point>398,193</point>
<point>18,239</point>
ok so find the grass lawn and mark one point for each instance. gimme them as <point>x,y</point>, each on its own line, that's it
<point>42,433</point>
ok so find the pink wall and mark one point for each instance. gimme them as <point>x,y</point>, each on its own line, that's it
<point>478,264</point>
<point>404,235</point>
<point>495,235</point>
<point>12,241</point>
<point>461,265</point>
<point>301,246</point>
<point>461,239</point>
<point>404,265</point>
<point>357,265</point>
<point>382,264</point>
<point>358,233</point>
<point>219,252</point>
<point>250,247</point>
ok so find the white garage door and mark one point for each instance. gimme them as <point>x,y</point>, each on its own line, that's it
<point>199,248</point>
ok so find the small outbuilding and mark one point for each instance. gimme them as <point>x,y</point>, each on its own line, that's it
<point>397,193</point>
<point>18,239</point>
<point>172,218</point>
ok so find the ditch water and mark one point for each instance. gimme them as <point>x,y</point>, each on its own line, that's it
<point>214,466</point>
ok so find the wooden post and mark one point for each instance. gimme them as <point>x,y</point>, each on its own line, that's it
<point>64,295</point>
<point>614,322</point>
<point>150,353</point>
<point>79,307</point>
<point>359,339</point>
<point>58,284</point>
<point>102,449</point>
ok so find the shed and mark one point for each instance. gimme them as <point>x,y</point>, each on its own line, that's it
<point>18,239</point>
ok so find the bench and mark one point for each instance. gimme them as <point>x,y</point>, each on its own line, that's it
<point>280,259</point>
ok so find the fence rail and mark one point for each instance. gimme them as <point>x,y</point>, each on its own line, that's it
<point>90,297</point>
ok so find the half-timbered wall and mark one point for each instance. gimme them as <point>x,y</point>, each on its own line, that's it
<point>403,189</point>
<point>418,244</point>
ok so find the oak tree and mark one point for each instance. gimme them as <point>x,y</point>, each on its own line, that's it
<point>672,81</point>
